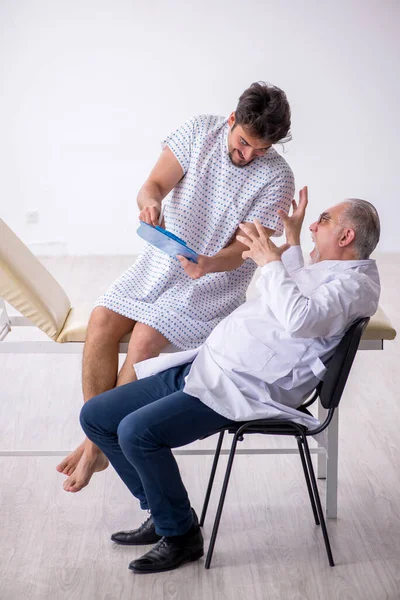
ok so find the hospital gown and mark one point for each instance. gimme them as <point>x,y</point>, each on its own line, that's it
<point>204,209</point>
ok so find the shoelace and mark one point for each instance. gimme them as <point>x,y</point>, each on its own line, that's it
<point>160,544</point>
<point>143,524</point>
<point>147,520</point>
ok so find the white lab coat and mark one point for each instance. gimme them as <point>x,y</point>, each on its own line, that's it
<point>268,355</point>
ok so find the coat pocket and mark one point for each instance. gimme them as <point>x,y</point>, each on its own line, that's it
<point>251,354</point>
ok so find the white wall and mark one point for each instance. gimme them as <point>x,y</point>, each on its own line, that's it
<point>88,88</point>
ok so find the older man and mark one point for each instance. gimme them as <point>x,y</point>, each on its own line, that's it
<point>259,362</point>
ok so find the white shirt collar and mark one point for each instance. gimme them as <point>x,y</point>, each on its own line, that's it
<point>342,265</point>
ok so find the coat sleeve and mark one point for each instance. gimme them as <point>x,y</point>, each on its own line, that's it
<point>293,259</point>
<point>328,311</point>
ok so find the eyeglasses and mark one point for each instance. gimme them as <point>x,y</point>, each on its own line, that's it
<point>324,218</point>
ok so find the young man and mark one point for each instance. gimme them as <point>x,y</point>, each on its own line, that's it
<point>259,362</point>
<point>213,174</point>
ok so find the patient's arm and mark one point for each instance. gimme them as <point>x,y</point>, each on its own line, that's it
<point>167,172</point>
<point>227,259</point>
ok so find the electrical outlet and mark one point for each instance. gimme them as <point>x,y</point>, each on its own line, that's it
<point>32,217</point>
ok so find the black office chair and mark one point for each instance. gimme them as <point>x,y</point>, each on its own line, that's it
<point>329,392</point>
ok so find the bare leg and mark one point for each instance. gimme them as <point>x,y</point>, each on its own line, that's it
<point>145,342</point>
<point>100,366</point>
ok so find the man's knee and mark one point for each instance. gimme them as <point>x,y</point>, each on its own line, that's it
<point>132,434</point>
<point>106,323</point>
<point>87,413</point>
<point>146,342</point>
<point>93,412</point>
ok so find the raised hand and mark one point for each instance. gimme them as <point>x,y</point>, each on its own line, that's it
<point>293,223</point>
<point>261,249</point>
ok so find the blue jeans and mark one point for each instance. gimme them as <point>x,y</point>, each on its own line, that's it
<point>136,425</point>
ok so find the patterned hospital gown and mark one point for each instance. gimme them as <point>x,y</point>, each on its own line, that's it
<point>204,209</point>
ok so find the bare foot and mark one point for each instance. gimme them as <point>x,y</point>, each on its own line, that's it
<point>92,460</point>
<point>70,462</point>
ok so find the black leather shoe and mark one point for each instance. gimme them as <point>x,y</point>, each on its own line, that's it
<point>145,534</point>
<point>167,554</point>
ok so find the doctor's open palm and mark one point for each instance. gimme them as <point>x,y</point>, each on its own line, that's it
<point>261,249</point>
<point>294,222</point>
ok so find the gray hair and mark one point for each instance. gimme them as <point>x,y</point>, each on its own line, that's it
<point>363,217</point>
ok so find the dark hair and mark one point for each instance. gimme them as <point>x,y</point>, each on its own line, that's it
<point>263,110</point>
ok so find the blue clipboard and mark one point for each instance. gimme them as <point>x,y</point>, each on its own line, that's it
<point>166,241</point>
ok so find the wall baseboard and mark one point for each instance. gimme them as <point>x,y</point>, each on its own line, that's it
<point>51,248</point>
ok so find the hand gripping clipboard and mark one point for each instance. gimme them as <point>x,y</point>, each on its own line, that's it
<point>166,241</point>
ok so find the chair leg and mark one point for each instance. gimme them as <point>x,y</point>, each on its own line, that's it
<point>211,480</point>
<point>318,501</point>
<point>221,502</point>
<point>308,482</point>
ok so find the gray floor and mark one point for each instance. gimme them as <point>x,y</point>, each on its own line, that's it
<point>56,545</point>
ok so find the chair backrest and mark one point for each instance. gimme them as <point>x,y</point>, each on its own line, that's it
<point>29,287</point>
<point>331,388</point>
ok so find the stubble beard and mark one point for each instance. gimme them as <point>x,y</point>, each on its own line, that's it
<point>240,165</point>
